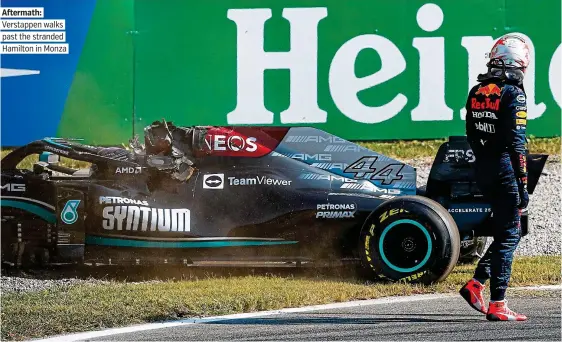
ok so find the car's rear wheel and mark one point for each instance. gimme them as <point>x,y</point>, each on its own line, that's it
<point>410,238</point>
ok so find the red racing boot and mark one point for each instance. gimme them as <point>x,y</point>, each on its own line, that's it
<point>499,311</point>
<point>472,293</point>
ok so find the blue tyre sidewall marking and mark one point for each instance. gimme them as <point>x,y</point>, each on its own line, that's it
<point>427,255</point>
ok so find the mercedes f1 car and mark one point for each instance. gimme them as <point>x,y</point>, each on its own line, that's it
<point>191,195</point>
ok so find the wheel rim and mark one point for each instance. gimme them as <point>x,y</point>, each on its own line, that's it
<point>406,248</point>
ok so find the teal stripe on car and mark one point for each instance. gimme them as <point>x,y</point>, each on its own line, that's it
<point>107,241</point>
<point>51,141</point>
<point>32,208</point>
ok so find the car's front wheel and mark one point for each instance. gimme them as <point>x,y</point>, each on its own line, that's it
<point>410,238</point>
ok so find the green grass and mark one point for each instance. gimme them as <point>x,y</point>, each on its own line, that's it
<point>28,162</point>
<point>87,307</point>
<point>395,149</point>
<point>114,304</point>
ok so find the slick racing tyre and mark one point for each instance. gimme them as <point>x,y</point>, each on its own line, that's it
<point>410,238</point>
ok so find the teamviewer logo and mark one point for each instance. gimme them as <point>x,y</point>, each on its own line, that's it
<point>214,181</point>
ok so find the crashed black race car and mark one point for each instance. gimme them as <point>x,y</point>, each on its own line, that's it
<point>191,195</point>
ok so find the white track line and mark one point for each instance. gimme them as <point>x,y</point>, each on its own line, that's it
<point>540,288</point>
<point>189,321</point>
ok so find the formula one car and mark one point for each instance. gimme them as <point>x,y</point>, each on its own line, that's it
<point>191,195</point>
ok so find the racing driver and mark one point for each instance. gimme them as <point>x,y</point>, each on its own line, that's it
<point>495,127</point>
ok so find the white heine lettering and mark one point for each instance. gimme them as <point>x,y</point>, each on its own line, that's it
<point>108,218</point>
<point>554,71</point>
<point>534,110</point>
<point>120,214</point>
<point>432,106</point>
<point>301,60</point>
<point>133,213</point>
<point>344,85</point>
<point>477,48</point>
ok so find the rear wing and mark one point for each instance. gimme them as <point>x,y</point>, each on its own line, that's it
<point>535,165</point>
<point>453,160</point>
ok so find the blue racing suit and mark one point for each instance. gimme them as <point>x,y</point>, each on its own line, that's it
<point>496,122</point>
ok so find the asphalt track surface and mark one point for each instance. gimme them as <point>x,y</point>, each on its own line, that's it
<point>443,319</point>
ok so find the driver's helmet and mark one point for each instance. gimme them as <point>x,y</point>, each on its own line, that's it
<point>509,59</point>
<point>158,139</point>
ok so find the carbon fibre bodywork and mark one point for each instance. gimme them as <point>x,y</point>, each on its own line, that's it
<point>278,193</point>
<point>256,194</point>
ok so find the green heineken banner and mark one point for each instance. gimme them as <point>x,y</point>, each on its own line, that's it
<point>360,69</point>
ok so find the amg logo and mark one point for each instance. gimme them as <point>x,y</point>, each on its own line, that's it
<point>369,187</point>
<point>316,176</point>
<point>315,138</point>
<point>304,156</point>
<point>128,170</point>
<point>319,157</point>
<point>485,127</point>
<point>14,187</point>
<point>135,218</point>
<point>329,166</point>
<point>485,114</point>
<point>344,148</point>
